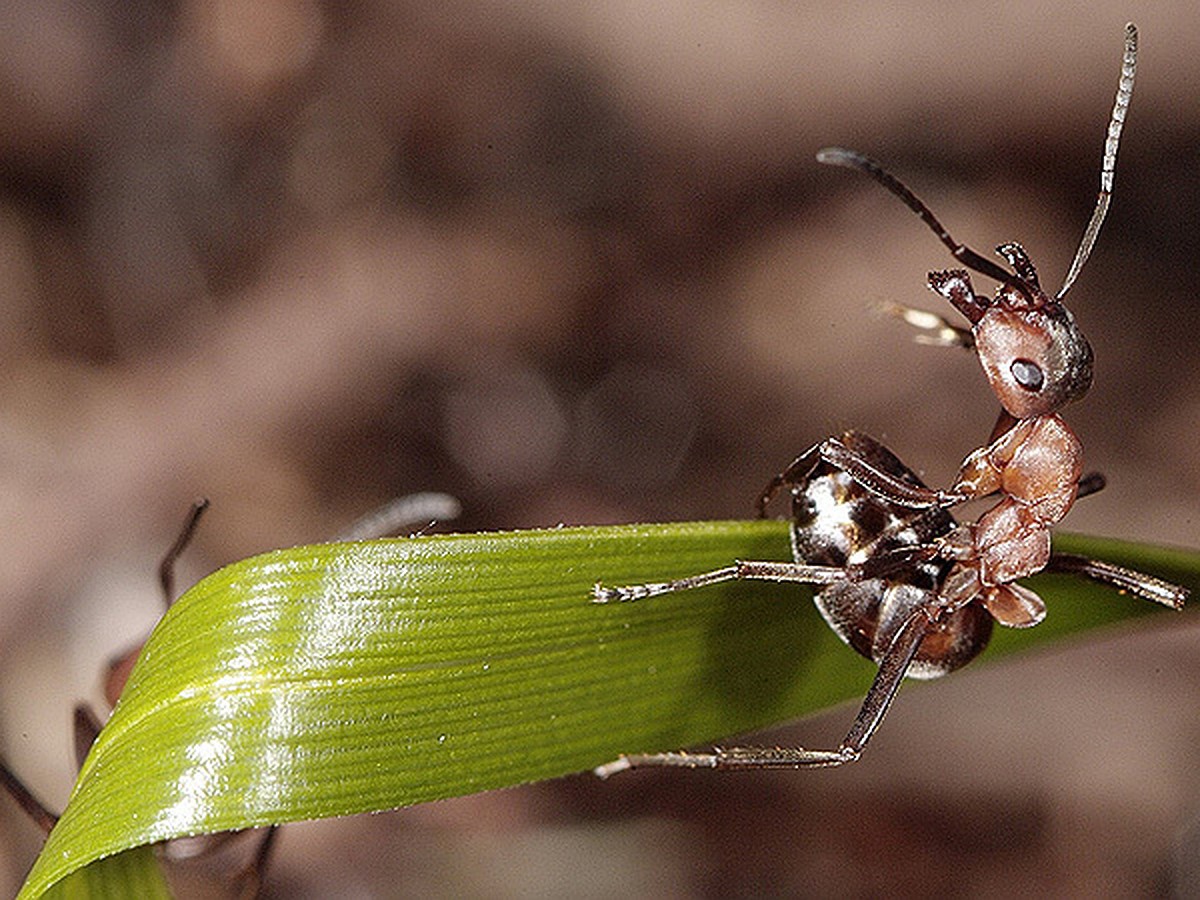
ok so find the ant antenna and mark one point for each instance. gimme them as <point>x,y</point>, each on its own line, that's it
<point>1120,108</point>
<point>851,159</point>
<point>166,568</point>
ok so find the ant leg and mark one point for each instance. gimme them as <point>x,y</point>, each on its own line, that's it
<point>86,728</point>
<point>422,509</point>
<point>166,568</point>
<point>32,806</point>
<point>875,705</point>
<point>934,330</point>
<point>882,565</point>
<point>1137,583</point>
<point>740,570</point>
<point>795,474</point>
<point>879,566</point>
<point>883,484</point>
<point>1091,483</point>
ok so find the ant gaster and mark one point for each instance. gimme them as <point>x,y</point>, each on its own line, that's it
<point>901,581</point>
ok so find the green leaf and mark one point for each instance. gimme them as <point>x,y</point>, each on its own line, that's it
<point>343,678</point>
<point>134,873</point>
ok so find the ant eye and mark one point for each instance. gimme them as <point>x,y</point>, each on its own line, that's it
<point>1027,374</point>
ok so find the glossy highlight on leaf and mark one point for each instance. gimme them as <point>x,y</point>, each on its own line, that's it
<point>342,678</point>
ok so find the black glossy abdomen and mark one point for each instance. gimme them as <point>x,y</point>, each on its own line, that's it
<point>836,521</point>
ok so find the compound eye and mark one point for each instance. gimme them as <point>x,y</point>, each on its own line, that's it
<point>1027,374</point>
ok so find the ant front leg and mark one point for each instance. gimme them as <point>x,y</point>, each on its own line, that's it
<point>875,706</point>
<point>885,485</point>
<point>934,330</point>
<point>1125,580</point>
<point>741,570</point>
<point>797,473</point>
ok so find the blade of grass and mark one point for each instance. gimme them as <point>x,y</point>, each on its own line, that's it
<point>342,678</point>
<point>133,873</point>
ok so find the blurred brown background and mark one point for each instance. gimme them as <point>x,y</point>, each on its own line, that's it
<point>575,262</point>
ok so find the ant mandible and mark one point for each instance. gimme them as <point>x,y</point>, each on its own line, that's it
<point>902,582</point>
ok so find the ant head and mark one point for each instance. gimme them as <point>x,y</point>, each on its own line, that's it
<point>1035,358</point>
<point>1034,355</point>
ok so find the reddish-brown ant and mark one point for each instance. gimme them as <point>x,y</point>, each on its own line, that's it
<point>901,582</point>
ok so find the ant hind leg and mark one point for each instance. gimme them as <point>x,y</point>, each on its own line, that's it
<point>875,705</point>
<point>886,485</point>
<point>1148,587</point>
<point>755,570</point>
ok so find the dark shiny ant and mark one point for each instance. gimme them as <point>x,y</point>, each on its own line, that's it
<point>238,858</point>
<point>900,581</point>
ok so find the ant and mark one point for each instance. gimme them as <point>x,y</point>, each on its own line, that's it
<point>247,859</point>
<point>239,856</point>
<point>900,581</point>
